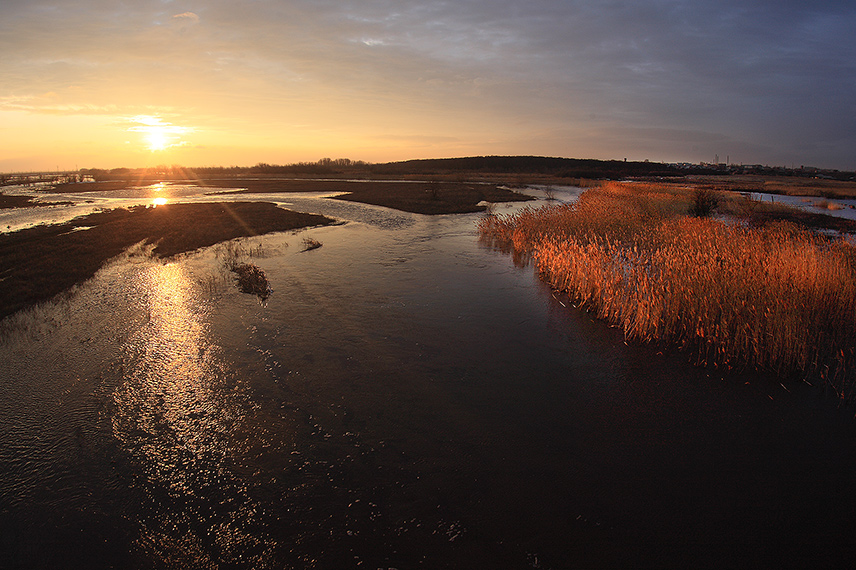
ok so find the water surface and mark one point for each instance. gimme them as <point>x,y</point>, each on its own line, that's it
<point>405,398</point>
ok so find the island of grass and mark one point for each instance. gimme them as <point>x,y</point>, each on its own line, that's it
<point>744,290</point>
<point>40,262</point>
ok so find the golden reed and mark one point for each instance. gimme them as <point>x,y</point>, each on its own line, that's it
<point>777,297</point>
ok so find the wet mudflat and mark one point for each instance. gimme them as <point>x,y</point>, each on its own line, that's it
<point>417,196</point>
<point>40,262</point>
<point>405,398</point>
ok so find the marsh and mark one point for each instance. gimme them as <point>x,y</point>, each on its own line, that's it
<point>405,397</point>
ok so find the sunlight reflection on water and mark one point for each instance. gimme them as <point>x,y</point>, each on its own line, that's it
<point>175,414</point>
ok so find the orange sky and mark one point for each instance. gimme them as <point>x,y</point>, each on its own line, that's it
<point>96,83</point>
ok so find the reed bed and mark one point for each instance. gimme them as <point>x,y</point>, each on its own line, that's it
<point>777,297</point>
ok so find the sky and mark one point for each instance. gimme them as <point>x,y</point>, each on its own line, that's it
<point>135,83</point>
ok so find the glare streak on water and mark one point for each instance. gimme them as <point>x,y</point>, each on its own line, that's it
<point>175,412</point>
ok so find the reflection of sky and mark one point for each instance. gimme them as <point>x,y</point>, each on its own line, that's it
<point>89,202</point>
<point>170,381</point>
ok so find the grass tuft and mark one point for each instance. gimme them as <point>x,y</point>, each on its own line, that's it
<point>252,279</point>
<point>311,243</point>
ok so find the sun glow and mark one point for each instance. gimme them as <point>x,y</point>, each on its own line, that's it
<point>157,134</point>
<point>157,139</point>
<point>159,202</point>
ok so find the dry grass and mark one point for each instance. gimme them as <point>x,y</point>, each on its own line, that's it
<point>777,297</point>
<point>252,279</point>
<point>310,243</point>
<point>790,185</point>
<point>827,205</point>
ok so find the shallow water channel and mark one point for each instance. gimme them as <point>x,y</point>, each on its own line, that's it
<point>406,398</point>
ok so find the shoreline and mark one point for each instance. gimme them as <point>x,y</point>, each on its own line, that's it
<point>38,263</point>
<point>8,202</point>
<point>417,197</point>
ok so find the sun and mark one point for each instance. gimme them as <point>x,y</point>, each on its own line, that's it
<point>157,139</point>
<point>157,134</point>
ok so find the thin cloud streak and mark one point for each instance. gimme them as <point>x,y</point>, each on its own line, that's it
<point>187,16</point>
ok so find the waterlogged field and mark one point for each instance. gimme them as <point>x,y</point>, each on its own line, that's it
<point>405,397</point>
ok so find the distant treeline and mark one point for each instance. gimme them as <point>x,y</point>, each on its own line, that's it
<point>562,167</point>
<point>517,165</point>
<point>324,166</point>
<point>595,169</point>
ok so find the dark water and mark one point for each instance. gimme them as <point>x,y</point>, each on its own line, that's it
<point>405,399</point>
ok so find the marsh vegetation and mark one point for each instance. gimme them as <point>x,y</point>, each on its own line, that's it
<point>773,296</point>
<point>311,243</point>
<point>252,279</point>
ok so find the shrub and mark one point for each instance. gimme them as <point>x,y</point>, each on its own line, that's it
<point>705,201</point>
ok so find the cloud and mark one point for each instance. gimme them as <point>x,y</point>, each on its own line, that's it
<point>763,74</point>
<point>189,16</point>
<point>47,104</point>
<point>149,123</point>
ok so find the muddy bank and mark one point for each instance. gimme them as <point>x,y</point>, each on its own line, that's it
<point>7,202</point>
<point>38,263</point>
<point>436,197</point>
<point>15,201</point>
<point>431,197</point>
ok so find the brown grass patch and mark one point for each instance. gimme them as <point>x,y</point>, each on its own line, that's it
<point>252,279</point>
<point>790,185</point>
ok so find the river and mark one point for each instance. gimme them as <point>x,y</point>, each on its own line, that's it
<point>405,398</point>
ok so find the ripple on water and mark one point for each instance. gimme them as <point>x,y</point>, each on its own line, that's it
<point>176,412</point>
